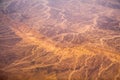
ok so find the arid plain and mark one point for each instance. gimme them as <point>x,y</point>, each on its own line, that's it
<point>59,39</point>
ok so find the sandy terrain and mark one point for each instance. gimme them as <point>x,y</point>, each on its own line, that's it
<point>59,39</point>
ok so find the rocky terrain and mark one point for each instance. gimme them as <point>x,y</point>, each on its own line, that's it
<point>59,39</point>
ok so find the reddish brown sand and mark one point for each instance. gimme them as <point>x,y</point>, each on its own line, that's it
<point>59,39</point>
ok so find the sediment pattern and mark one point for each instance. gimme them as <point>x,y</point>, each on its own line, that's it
<point>59,40</point>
